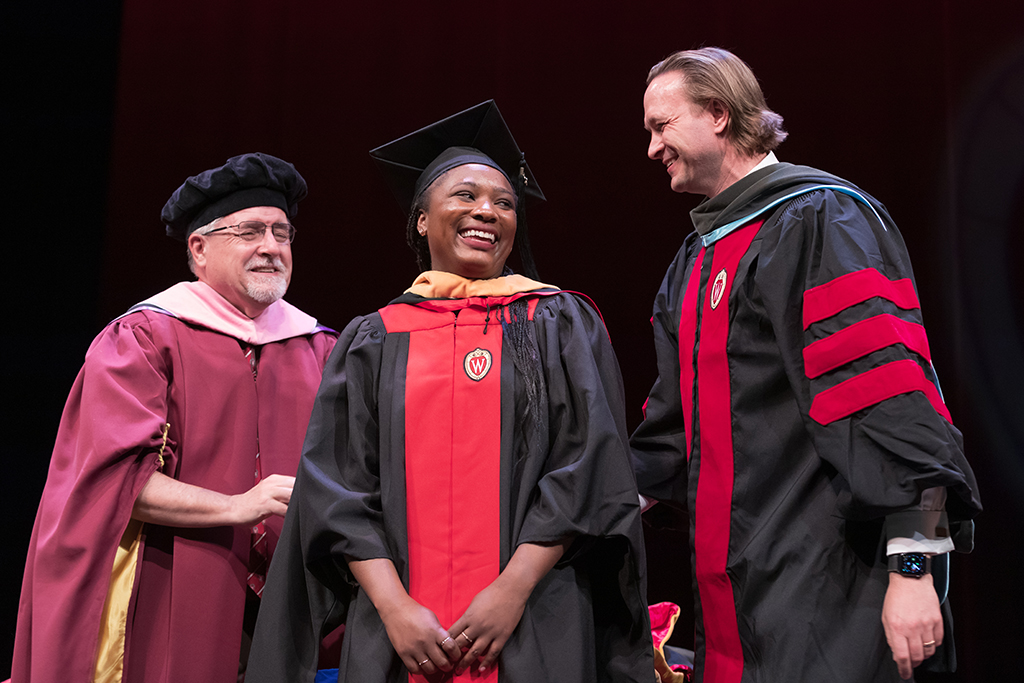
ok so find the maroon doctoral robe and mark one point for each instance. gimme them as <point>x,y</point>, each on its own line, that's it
<point>166,387</point>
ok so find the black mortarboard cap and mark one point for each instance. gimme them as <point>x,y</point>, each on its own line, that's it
<point>244,181</point>
<point>477,135</point>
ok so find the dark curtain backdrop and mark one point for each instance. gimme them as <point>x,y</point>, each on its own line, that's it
<point>108,107</point>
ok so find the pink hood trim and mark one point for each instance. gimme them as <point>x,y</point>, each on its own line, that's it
<point>200,304</point>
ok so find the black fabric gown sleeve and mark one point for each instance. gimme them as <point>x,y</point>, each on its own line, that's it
<point>658,445</point>
<point>887,453</point>
<point>334,511</point>
<point>585,486</point>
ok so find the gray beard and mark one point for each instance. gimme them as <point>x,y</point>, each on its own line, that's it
<point>264,291</point>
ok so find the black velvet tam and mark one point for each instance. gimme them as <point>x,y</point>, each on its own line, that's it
<point>477,135</point>
<point>244,181</point>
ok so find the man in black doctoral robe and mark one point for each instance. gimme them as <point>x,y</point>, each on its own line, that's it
<point>796,412</point>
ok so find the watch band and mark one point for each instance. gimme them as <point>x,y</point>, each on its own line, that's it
<point>914,565</point>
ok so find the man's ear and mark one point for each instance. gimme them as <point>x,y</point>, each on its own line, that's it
<point>719,115</point>
<point>197,246</point>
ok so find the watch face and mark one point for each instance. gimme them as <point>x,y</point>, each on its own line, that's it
<point>912,564</point>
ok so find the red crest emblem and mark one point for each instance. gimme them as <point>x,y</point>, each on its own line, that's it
<point>477,364</point>
<point>718,288</point>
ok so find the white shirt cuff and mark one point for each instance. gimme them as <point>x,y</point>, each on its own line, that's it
<point>646,503</point>
<point>918,531</point>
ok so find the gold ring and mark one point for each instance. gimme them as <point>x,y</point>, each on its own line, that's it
<point>444,641</point>
<point>424,661</point>
<point>929,643</point>
<point>468,639</point>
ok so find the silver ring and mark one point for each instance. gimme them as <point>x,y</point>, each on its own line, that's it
<point>444,641</point>
<point>424,661</point>
<point>929,643</point>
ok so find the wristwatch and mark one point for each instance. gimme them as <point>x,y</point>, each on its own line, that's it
<point>914,565</point>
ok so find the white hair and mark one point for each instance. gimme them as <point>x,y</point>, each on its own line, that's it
<point>201,230</point>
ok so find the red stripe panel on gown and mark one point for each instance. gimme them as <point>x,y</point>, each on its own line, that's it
<point>723,660</point>
<point>452,460</point>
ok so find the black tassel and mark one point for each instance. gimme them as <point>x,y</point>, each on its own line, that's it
<point>518,332</point>
<point>522,229</point>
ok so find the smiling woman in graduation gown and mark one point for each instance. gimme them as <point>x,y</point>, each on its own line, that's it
<point>465,499</point>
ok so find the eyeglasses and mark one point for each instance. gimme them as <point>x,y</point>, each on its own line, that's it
<point>252,231</point>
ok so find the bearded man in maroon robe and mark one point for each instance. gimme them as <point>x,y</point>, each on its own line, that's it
<point>174,460</point>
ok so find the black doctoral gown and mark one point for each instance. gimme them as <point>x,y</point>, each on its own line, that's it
<point>796,407</point>
<point>407,388</point>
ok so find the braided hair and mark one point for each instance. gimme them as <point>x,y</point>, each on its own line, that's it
<point>521,338</point>
<point>416,241</point>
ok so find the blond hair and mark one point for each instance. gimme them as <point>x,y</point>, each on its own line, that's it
<point>712,73</point>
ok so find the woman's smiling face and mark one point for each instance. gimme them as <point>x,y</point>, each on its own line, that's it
<point>469,221</point>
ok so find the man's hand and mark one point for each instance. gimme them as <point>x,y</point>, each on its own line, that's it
<point>912,621</point>
<point>170,502</point>
<point>269,497</point>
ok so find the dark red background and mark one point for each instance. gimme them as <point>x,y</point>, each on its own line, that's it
<point>108,107</point>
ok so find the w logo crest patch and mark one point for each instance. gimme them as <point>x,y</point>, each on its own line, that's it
<point>718,288</point>
<point>477,364</point>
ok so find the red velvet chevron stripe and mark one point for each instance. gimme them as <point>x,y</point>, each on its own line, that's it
<point>828,299</point>
<point>875,386</point>
<point>862,338</point>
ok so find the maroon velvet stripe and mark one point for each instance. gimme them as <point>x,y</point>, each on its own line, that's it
<point>828,299</point>
<point>875,386</point>
<point>723,662</point>
<point>862,338</point>
<point>687,342</point>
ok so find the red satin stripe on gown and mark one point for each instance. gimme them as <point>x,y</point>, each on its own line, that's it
<point>453,442</point>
